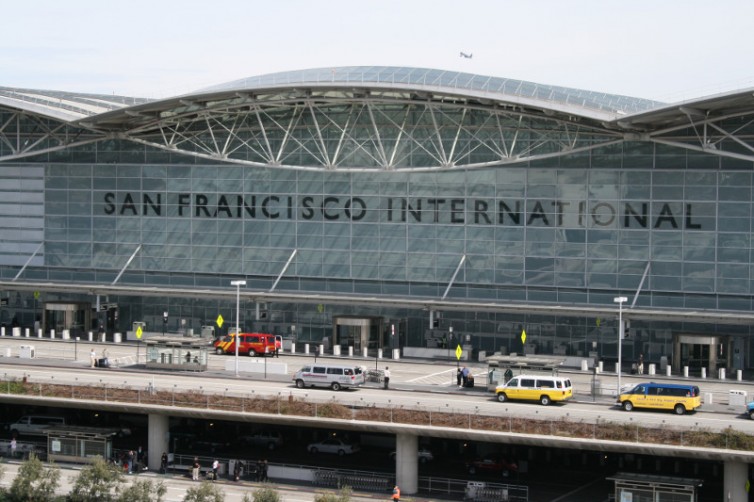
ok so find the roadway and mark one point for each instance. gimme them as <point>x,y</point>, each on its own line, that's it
<point>426,385</point>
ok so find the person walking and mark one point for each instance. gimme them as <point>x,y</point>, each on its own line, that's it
<point>640,365</point>
<point>263,471</point>
<point>396,493</point>
<point>386,377</point>
<point>195,469</point>
<point>465,375</point>
<point>459,377</point>
<point>164,463</point>
<point>215,466</point>
<point>93,358</point>
<point>13,446</point>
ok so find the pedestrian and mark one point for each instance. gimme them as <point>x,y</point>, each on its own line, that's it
<point>215,466</point>
<point>195,469</point>
<point>263,471</point>
<point>131,459</point>
<point>164,463</point>
<point>93,358</point>
<point>640,364</point>
<point>465,375</point>
<point>237,470</point>
<point>396,493</point>
<point>386,377</point>
<point>13,446</point>
<point>105,362</point>
<point>459,377</point>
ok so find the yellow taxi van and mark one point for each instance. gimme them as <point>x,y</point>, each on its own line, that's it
<point>544,389</point>
<point>662,396</point>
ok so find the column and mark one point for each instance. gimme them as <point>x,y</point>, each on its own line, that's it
<point>158,440</point>
<point>407,463</point>
<point>734,482</point>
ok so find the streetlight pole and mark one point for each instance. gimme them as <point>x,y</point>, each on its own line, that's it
<point>620,300</point>
<point>238,285</point>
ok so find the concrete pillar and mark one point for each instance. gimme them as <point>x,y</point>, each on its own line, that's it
<point>407,463</point>
<point>734,482</point>
<point>158,440</point>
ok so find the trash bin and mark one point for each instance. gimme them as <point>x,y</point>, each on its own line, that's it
<point>26,352</point>
<point>737,398</point>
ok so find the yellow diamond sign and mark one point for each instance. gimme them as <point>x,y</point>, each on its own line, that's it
<point>220,321</point>
<point>139,332</point>
<point>523,336</point>
<point>459,352</point>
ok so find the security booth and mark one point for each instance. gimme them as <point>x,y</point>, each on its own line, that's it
<point>79,444</point>
<point>177,353</point>
<point>639,487</point>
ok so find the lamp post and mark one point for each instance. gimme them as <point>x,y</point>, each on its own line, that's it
<point>238,285</point>
<point>450,342</point>
<point>620,300</point>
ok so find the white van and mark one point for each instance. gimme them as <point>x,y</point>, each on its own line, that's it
<point>335,376</point>
<point>34,424</point>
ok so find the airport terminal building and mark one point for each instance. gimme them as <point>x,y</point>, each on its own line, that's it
<point>387,207</point>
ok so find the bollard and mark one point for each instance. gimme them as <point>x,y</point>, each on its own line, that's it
<point>27,332</point>
<point>293,347</point>
<point>2,331</point>
<point>39,333</point>
<point>16,332</point>
<point>52,334</point>
<point>704,372</point>
<point>321,349</point>
<point>336,350</point>
<point>379,353</point>
<point>600,367</point>
<point>667,370</point>
<point>396,353</point>
<point>365,352</point>
<point>350,351</point>
<point>90,336</point>
<point>738,375</point>
<point>686,371</point>
<point>721,373</point>
<point>652,369</point>
<point>116,337</point>
<point>584,365</point>
<point>306,348</point>
<point>66,334</point>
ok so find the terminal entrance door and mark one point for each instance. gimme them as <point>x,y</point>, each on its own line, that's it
<point>75,317</point>
<point>359,333</point>
<point>700,351</point>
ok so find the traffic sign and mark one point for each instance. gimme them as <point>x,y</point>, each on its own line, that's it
<point>523,336</point>
<point>220,321</point>
<point>459,352</point>
<point>139,332</point>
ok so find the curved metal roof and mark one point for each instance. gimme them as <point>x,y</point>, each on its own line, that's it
<point>458,82</point>
<point>383,118</point>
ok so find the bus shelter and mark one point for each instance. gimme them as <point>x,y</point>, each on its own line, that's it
<point>177,353</point>
<point>79,444</point>
<point>634,487</point>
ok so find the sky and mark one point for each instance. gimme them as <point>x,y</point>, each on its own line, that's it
<point>670,50</point>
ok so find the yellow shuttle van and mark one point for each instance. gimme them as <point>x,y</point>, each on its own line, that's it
<point>544,389</point>
<point>662,396</point>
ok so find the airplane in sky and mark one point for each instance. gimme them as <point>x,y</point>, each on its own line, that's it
<point>467,56</point>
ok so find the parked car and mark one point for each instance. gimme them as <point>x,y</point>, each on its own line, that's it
<point>265,439</point>
<point>336,446</point>
<point>425,455</point>
<point>502,466</point>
